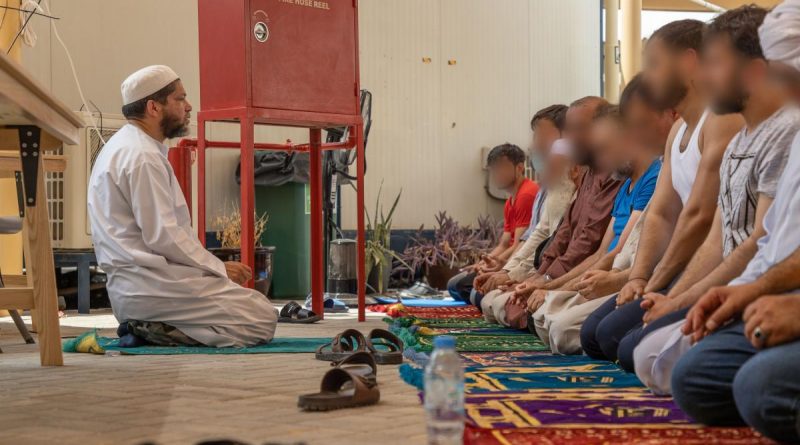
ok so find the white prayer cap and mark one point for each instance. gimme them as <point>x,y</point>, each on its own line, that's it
<point>145,82</point>
<point>561,147</point>
<point>780,34</point>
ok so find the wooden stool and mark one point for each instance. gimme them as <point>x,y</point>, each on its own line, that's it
<point>35,116</point>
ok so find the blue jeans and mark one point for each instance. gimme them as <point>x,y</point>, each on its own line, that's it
<point>605,328</point>
<point>460,286</point>
<point>725,381</point>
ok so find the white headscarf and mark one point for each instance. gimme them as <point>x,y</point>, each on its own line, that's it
<point>780,34</point>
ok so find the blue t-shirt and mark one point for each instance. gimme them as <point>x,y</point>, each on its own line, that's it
<point>630,199</point>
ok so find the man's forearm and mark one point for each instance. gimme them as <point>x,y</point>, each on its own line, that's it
<point>652,245</point>
<point>730,268</point>
<point>690,231</point>
<point>576,272</point>
<point>782,277</point>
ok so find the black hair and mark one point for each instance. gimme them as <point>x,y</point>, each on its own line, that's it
<point>556,114</point>
<point>135,110</point>
<point>740,25</point>
<point>636,88</point>
<point>681,34</point>
<point>509,151</point>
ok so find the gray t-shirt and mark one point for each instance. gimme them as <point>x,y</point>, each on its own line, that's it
<point>752,165</point>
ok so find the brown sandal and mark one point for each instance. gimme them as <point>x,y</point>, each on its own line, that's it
<point>340,389</point>
<point>391,347</point>
<point>361,364</point>
<point>345,344</point>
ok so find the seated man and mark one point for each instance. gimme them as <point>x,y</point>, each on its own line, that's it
<point>745,372</point>
<point>165,287</point>
<point>507,170</point>
<point>584,223</point>
<point>633,142</point>
<point>683,206</point>
<point>754,161</point>
<point>557,175</point>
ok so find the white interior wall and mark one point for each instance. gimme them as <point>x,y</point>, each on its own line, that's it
<point>430,119</point>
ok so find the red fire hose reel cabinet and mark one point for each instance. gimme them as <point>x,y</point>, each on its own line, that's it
<point>292,55</point>
<point>289,63</point>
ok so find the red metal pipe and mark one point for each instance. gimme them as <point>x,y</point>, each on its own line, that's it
<point>180,158</point>
<point>360,236</point>
<point>201,178</point>
<point>349,144</point>
<point>315,186</point>
<point>247,196</point>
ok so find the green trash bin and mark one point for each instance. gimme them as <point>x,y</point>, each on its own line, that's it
<point>288,207</point>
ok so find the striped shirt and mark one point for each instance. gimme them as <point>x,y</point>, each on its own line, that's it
<point>752,165</point>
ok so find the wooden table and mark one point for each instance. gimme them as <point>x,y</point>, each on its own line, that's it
<point>35,115</point>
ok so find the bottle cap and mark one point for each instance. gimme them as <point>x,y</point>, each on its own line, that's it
<point>444,342</point>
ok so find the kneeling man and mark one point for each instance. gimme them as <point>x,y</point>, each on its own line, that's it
<point>165,288</point>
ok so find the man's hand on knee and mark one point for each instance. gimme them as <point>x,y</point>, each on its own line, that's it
<point>238,273</point>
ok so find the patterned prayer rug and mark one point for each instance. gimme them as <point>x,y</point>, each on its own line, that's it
<point>434,312</point>
<point>537,373</point>
<point>615,436</point>
<point>534,397</point>
<point>575,408</point>
<point>420,338</point>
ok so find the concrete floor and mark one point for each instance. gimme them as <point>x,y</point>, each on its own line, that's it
<point>186,399</point>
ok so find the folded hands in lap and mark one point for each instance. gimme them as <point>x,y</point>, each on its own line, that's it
<point>238,272</point>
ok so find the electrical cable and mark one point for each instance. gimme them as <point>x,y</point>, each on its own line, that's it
<point>24,24</point>
<point>5,11</point>
<point>53,26</point>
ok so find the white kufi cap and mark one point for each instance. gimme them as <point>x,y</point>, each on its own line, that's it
<point>145,82</point>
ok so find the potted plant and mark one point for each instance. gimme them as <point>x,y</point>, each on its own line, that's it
<point>453,246</point>
<point>229,234</point>
<point>379,254</point>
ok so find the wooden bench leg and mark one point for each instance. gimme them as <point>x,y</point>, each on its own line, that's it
<point>39,257</point>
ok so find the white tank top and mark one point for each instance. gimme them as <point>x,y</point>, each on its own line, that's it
<point>684,164</point>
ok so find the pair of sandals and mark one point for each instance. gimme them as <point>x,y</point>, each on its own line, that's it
<point>353,380</point>
<point>292,312</point>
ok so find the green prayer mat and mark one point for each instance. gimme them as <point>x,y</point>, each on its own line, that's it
<point>90,342</point>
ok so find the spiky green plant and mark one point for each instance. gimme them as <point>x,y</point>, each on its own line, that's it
<point>378,236</point>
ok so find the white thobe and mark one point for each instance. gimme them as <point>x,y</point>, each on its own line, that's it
<point>157,269</point>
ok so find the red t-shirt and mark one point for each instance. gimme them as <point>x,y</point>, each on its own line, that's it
<point>519,207</point>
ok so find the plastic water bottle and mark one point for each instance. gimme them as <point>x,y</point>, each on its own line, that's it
<point>444,393</point>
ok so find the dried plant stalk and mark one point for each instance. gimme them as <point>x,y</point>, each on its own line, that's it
<point>230,228</point>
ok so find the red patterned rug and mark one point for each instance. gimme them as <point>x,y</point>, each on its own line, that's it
<point>614,436</point>
<point>429,312</point>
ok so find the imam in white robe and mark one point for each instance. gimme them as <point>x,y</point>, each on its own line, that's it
<point>157,269</point>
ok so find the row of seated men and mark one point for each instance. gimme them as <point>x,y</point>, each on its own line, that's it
<point>663,233</point>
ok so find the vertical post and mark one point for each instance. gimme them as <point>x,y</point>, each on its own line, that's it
<point>315,186</point>
<point>361,247</point>
<point>84,285</point>
<point>611,87</point>
<point>39,263</point>
<point>631,39</point>
<point>201,179</point>
<point>247,193</point>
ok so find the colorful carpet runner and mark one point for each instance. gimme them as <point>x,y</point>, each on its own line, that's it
<point>529,396</point>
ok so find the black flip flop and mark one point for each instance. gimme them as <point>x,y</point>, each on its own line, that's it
<point>294,313</point>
